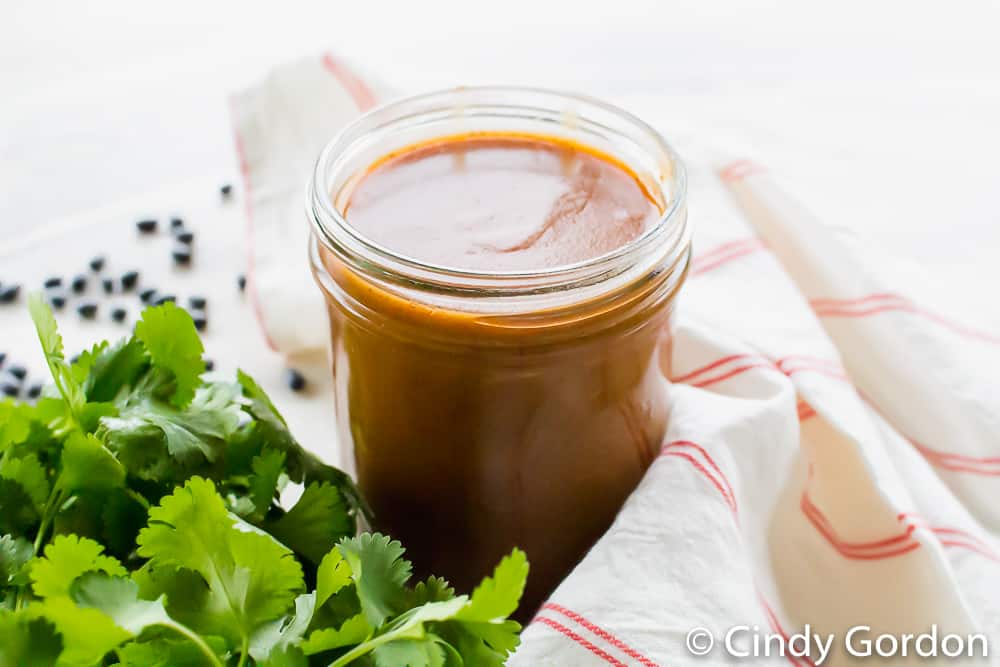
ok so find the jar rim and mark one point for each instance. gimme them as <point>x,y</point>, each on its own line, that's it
<point>331,228</point>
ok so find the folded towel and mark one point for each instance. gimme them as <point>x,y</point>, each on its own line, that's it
<point>833,456</point>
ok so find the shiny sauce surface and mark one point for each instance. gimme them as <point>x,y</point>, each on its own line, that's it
<point>500,202</point>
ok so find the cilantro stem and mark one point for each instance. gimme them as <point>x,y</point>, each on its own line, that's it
<point>197,641</point>
<point>363,649</point>
<point>244,651</point>
<point>51,508</point>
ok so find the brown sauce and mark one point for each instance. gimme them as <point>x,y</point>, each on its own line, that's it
<point>473,434</point>
<point>500,203</point>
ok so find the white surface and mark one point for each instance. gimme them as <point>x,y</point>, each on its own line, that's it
<point>881,114</point>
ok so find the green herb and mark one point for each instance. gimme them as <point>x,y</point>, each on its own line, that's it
<point>140,526</point>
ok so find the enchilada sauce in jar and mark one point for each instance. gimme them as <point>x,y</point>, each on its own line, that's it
<point>499,304</point>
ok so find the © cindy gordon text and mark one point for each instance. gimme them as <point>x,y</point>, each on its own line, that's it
<point>750,641</point>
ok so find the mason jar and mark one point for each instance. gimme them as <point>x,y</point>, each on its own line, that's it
<point>486,410</point>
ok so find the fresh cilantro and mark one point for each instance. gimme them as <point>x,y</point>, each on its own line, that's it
<point>141,526</point>
<point>67,558</point>
<point>251,578</point>
<point>315,524</point>
<point>170,337</point>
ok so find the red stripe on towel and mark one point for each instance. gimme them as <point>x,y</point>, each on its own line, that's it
<point>720,482</point>
<point>711,462</point>
<point>738,170</point>
<point>715,258</point>
<point>889,547</point>
<point>601,632</point>
<point>251,263</point>
<point>884,302</point>
<point>712,366</point>
<point>787,365</point>
<point>359,91</point>
<point>953,537</point>
<point>590,646</point>
<point>772,620</point>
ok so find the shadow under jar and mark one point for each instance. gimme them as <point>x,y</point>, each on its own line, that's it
<point>499,305</point>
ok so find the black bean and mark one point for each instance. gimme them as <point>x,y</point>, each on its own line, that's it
<point>109,285</point>
<point>58,301</point>
<point>197,302</point>
<point>241,281</point>
<point>75,358</point>
<point>9,293</point>
<point>119,314</point>
<point>87,310</point>
<point>54,281</point>
<point>146,226</point>
<point>296,380</point>
<point>200,322</point>
<point>97,264</point>
<point>129,279</point>
<point>79,284</point>
<point>11,390</point>
<point>176,223</point>
<point>3,358</point>
<point>209,365</point>
<point>35,390</point>
<point>147,295</point>
<point>20,372</point>
<point>181,255</point>
<point>186,237</point>
<point>160,300</point>
<point>226,191</point>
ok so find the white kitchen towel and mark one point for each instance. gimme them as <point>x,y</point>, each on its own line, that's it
<point>281,125</point>
<point>833,457</point>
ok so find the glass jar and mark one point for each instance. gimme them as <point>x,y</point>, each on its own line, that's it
<point>486,410</point>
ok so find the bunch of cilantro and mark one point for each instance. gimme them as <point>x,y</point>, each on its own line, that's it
<point>140,526</point>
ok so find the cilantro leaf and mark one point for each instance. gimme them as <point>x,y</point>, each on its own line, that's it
<point>497,597</point>
<point>410,652</point>
<point>380,574</point>
<point>164,652</point>
<point>251,579</point>
<point>67,558</point>
<point>105,370</point>
<point>15,422</point>
<point>15,552</point>
<point>17,511</point>
<point>270,427</point>
<point>31,476</point>
<point>333,575</point>
<point>434,589</point>
<point>25,641</point>
<point>283,632</point>
<point>118,598</point>
<point>315,524</point>
<point>88,634</point>
<point>479,632</point>
<point>123,515</point>
<point>354,630</point>
<point>52,347</point>
<point>145,426</point>
<point>267,467</point>
<point>285,657</point>
<point>169,335</point>
<point>412,625</point>
<point>87,465</point>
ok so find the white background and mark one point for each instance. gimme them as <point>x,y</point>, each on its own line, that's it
<point>881,116</point>
<point>858,89</point>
